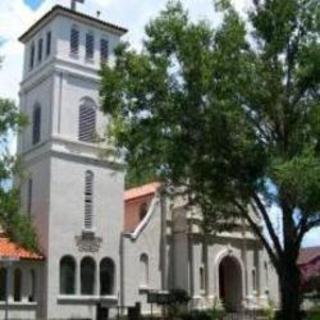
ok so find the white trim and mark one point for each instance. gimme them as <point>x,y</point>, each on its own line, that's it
<point>136,233</point>
<point>86,298</point>
<point>229,252</point>
<point>19,304</point>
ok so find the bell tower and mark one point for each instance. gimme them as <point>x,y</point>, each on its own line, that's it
<point>73,195</point>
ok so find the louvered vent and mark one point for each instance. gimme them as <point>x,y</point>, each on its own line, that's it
<point>40,49</point>
<point>87,123</point>
<point>74,41</point>
<point>104,50</point>
<point>36,128</point>
<point>32,53</point>
<point>88,209</point>
<point>48,44</point>
<point>89,45</point>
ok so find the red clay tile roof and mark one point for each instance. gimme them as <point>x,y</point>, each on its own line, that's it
<point>141,191</point>
<point>13,250</point>
<point>308,254</point>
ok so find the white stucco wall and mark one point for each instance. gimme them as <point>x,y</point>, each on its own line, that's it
<point>148,241</point>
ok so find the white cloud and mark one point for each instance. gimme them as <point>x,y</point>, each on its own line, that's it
<point>312,238</point>
<point>16,17</point>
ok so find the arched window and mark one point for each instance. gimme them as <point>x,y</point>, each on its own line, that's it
<point>74,40</point>
<point>33,286</point>
<point>88,198</point>
<point>87,120</point>
<point>88,269</point>
<point>67,275</point>
<point>144,262</point>
<point>36,124</point>
<point>107,274</point>
<point>17,284</point>
<point>3,284</point>
<point>143,211</point>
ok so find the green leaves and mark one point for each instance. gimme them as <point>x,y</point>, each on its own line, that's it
<point>224,112</point>
<point>231,115</point>
<point>17,225</point>
<point>300,178</point>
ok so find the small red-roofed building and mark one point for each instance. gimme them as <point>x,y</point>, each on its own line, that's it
<point>12,250</point>
<point>20,272</point>
<point>309,263</point>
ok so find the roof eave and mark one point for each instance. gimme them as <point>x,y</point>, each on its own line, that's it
<point>65,11</point>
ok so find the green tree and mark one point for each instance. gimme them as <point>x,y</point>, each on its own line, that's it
<point>232,114</point>
<point>17,225</point>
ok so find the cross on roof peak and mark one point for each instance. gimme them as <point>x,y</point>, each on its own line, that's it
<point>74,2</point>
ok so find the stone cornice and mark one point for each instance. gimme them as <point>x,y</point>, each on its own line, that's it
<point>57,66</point>
<point>65,149</point>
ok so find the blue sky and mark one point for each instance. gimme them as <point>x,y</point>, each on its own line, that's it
<point>33,4</point>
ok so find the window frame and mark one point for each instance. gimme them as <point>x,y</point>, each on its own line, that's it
<point>104,51</point>
<point>32,55</point>
<point>3,283</point>
<point>91,282</point>
<point>17,285</point>
<point>87,120</point>
<point>89,46</point>
<point>74,40</point>
<point>144,263</point>
<point>36,124</point>
<point>48,43</point>
<point>33,286</point>
<point>63,288</point>
<point>110,271</point>
<point>40,50</point>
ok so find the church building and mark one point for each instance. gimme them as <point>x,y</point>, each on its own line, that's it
<point>103,246</point>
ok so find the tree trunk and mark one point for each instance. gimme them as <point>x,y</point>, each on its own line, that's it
<point>289,279</point>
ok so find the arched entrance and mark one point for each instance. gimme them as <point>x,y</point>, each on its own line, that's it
<point>230,283</point>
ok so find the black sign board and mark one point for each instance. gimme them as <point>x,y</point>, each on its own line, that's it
<point>161,298</point>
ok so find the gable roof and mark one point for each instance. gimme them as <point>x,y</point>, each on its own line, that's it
<point>9,249</point>
<point>308,254</point>
<point>58,9</point>
<point>141,191</point>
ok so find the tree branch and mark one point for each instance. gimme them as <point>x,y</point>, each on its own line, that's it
<point>268,223</point>
<point>257,230</point>
<point>312,224</point>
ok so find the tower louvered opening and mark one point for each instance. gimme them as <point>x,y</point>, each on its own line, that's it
<point>74,40</point>
<point>88,209</point>
<point>87,123</point>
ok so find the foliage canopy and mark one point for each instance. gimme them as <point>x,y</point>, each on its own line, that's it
<point>17,225</point>
<point>232,114</point>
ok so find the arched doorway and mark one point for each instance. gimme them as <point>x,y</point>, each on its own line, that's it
<point>230,283</point>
